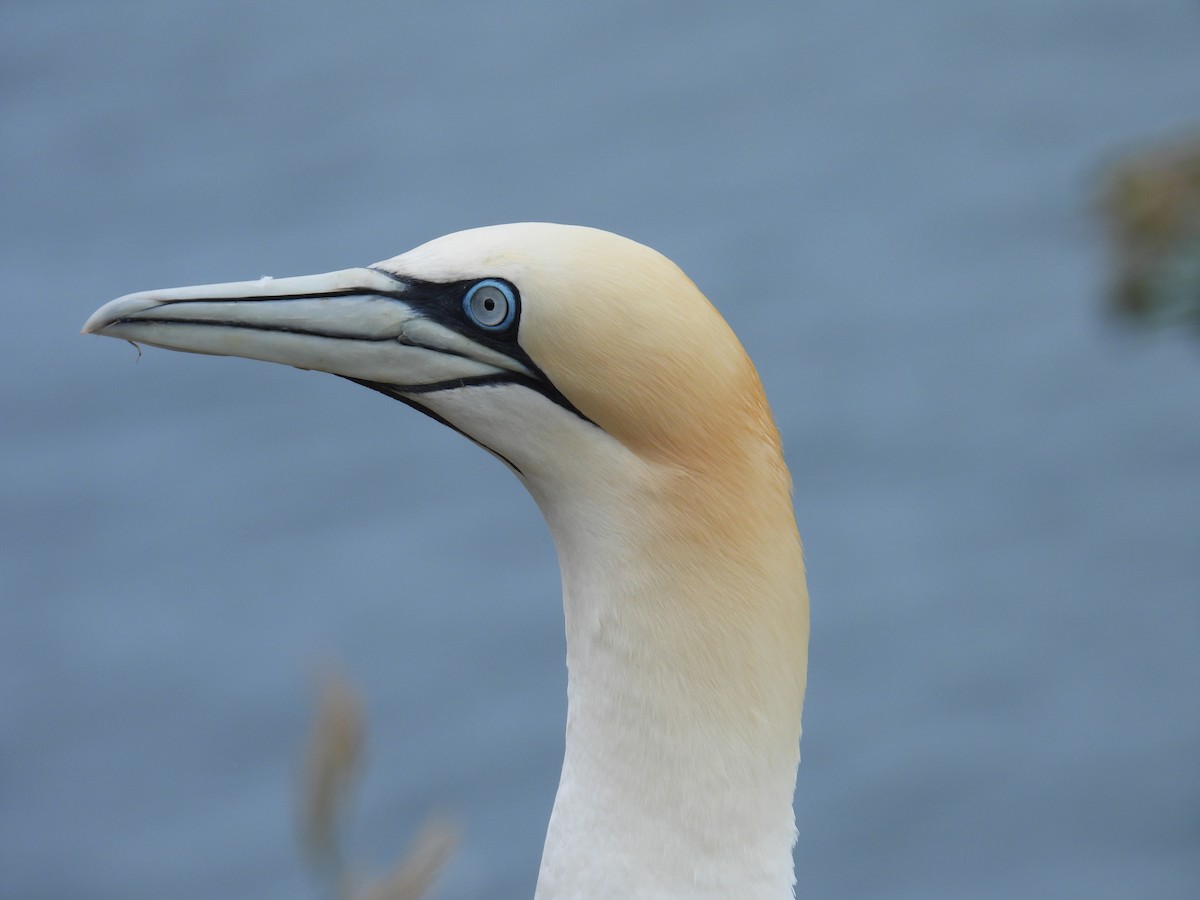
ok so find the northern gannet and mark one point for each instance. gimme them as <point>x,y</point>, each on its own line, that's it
<point>598,372</point>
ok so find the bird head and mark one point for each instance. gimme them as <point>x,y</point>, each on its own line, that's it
<point>531,339</point>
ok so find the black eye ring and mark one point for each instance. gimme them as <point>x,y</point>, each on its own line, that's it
<point>490,304</point>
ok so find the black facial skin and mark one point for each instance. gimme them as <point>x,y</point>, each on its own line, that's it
<point>443,303</point>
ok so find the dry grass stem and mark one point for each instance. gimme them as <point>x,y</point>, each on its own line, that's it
<point>333,760</point>
<point>412,879</point>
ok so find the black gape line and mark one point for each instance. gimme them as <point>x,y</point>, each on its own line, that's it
<point>391,390</point>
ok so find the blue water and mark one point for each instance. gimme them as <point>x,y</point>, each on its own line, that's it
<point>999,487</point>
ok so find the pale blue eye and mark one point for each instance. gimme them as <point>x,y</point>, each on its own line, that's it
<point>490,304</point>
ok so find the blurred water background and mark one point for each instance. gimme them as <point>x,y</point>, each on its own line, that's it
<point>998,486</point>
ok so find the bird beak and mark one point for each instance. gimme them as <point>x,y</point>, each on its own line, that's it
<point>356,323</point>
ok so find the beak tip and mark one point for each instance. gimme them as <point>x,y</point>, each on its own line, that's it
<point>114,311</point>
<point>97,322</point>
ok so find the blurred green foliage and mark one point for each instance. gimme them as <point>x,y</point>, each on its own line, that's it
<point>1151,206</point>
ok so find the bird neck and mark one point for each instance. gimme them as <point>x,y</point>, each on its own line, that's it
<point>687,630</point>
